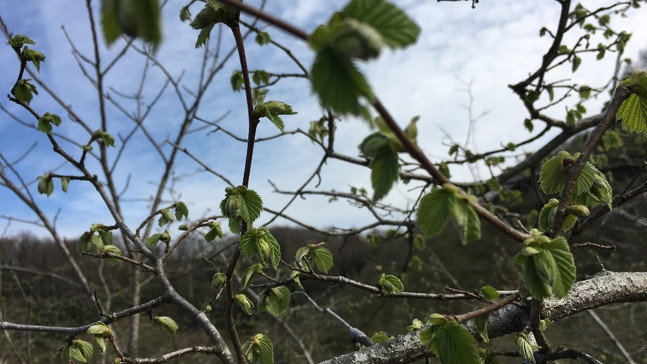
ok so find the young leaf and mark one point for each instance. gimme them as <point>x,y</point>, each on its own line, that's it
<point>244,303</point>
<point>467,221</point>
<point>24,91</point>
<point>218,281</point>
<point>564,276</point>
<point>241,202</point>
<point>481,325</point>
<point>181,210</point>
<point>277,301</point>
<point>490,293</point>
<point>390,284</point>
<point>455,344</point>
<point>272,110</point>
<point>435,207</point>
<point>395,27</point>
<point>338,83</point>
<point>385,170</point>
<point>153,240</point>
<point>100,329</point>
<point>45,184</point>
<point>134,18</point>
<point>214,232</point>
<point>323,258</point>
<point>167,323</point>
<point>262,38</point>
<point>259,349</point>
<point>17,41</point>
<point>250,272</point>
<point>633,113</point>
<point>65,182</point>
<point>525,348</point>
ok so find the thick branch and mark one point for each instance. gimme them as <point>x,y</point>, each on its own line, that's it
<point>602,289</point>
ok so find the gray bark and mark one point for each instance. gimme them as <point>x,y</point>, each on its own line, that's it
<point>602,289</point>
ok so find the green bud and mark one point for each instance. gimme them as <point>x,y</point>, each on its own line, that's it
<point>578,210</point>
<point>218,281</point>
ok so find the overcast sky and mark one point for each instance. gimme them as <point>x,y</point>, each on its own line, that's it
<point>492,46</point>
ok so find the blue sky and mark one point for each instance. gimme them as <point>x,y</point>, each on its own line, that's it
<point>494,45</point>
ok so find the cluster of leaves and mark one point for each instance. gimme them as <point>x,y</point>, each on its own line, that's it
<point>591,187</point>
<point>444,203</point>
<point>77,350</point>
<point>359,31</point>
<point>98,239</point>
<point>166,218</point>
<point>23,90</point>
<point>259,349</point>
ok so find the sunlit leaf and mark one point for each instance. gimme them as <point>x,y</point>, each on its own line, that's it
<point>390,284</point>
<point>277,301</point>
<point>167,323</point>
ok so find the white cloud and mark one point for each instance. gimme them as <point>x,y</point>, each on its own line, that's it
<point>493,45</point>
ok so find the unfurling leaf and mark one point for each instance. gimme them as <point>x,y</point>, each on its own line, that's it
<point>33,56</point>
<point>259,349</point>
<point>272,110</point>
<point>451,342</point>
<point>241,203</point>
<point>277,300</point>
<point>181,211</point>
<point>218,281</point>
<point>24,91</point>
<point>261,244</point>
<point>45,184</point>
<point>525,348</point>
<point>250,272</point>
<point>100,329</point>
<point>390,284</point>
<point>548,266</point>
<point>167,323</point>
<point>214,232</point>
<point>244,303</point>
<point>17,41</point>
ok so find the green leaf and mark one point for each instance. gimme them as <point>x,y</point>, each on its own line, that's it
<point>17,41</point>
<point>272,110</point>
<point>554,171</point>
<point>139,19</point>
<point>244,303</point>
<point>261,77</point>
<point>481,325</point>
<point>467,221</point>
<point>395,27</point>
<point>181,211</point>
<point>416,325</point>
<point>564,276</point>
<point>338,83</point>
<point>249,273</point>
<point>100,329</point>
<point>166,217</point>
<point>259,349</point>
<point>390,284</point>
<point>490,293</point>
<point>262,38</point>
<point>379,337</point>
<point>167,323</point>
<point>354,39</point>
<point>84,350</point>
<point>277,301</point>
<point>453,344</point>
<point>153,240</point>
<point>203,36</point>
<point>385,170</point>
<point>33,56</point>
<point>65,182</point>
<point>101,343</point>
<point>214,232</point>
<point>45,184</point>
<point>241,202</point>
<point>547,214</point>
<point>218,281</point>
<point>435,207</point>
<point>525,348</point>
<point>261,244</point>
<point>535,279</point>
<point>24,91</point>
<point>576,63</point>
<point>323,258</point>
<point>45,122</point>
<point>633,113</point>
